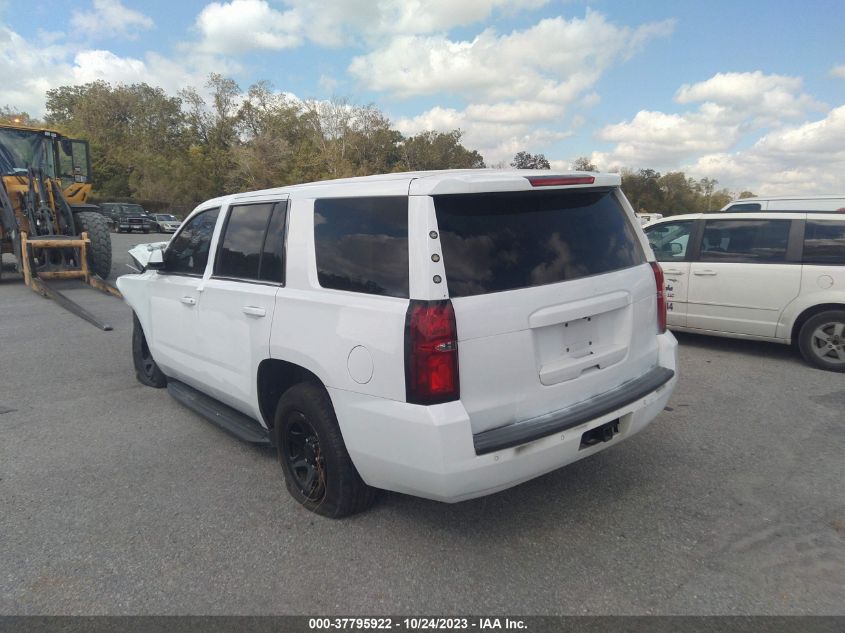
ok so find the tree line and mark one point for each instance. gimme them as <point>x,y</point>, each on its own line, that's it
<point>148,145</point>
<point>180,150</point>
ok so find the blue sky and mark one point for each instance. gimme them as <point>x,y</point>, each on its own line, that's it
<point>751,93</point>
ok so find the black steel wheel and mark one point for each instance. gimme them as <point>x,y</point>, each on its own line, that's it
<point>146,369</point>
<point>318,471</point>
<point>304,461</point>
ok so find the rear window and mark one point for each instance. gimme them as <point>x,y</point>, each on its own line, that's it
<point>361,244</point>
<point>504,241</point>
<point>824,242</point>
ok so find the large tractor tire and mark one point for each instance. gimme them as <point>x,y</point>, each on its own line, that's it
<point>99,252</point>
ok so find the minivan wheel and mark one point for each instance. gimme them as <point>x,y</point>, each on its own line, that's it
<point>146,370</point>
<point>318,471</point>
<point>822,340</point>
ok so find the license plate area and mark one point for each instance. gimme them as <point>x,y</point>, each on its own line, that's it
<point>600,434</point>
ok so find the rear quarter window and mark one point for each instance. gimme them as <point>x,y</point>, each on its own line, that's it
<point>361,244</point>
<point>504,241</point>
<point>824,242</point>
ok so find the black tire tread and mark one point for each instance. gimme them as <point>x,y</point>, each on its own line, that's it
<point>99,251</point>
<point>346,493</point>
<point>158,380</point>
<point>804,338</point>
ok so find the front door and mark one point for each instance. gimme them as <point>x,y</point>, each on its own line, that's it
<point>669,241</point>
<point>175,296</point>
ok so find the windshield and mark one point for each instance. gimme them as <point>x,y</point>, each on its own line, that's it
<point>133,209</point>
<point>20,149</point>
<point>166,217</point>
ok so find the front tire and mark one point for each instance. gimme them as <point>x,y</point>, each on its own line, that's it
<point>146,370</point>
<point>822,340</point>
<point>318,471</point>
<point>99,251</point>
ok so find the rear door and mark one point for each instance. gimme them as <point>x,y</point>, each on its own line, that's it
<point>670,242</point>
<point>743,278</point>
<point>235,310</point>
<point>553,297</point>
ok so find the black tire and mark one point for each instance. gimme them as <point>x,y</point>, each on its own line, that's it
<point>99,252</point>
<point>146,370</point>
<point>822,340</point>
<point>146,231</point>
<point>326,482</point>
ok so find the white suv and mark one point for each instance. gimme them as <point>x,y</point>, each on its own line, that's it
<point>443,334</point>
<point>770,276</point>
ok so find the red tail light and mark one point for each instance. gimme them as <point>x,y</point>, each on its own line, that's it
<point>431,353</point>
<point>556,181</point>
<point>661,298</point>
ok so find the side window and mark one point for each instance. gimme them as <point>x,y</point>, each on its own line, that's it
<point>824,242</point>
<point>242,241</point>
<point>273,253</point>
<point>187,254</point>
<point>361,244</point>
<point>669,240</point>
<point>762,241</point>
<point>743,206</point>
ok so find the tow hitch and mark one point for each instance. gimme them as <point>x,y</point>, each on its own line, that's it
<point>603,433</point>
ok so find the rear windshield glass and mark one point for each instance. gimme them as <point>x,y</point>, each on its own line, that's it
<point>504,241</point>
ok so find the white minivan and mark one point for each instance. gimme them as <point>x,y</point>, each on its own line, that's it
<point>443,334</point>
<point>772,276</point>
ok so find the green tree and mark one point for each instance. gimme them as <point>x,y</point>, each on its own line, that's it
<point>525,160</point>
<point>438,150</point>
<point>582,163</point>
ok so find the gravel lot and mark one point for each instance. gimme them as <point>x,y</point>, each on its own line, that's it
<point>116,500</point>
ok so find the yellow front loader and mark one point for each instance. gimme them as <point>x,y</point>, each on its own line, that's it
<point>45,221</point>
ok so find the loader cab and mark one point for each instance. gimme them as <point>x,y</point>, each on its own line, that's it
<point>66,160</point>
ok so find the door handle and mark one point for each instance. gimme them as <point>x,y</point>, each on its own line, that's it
<point>188,301</point>
<point>673,271</point>
<point>705,273</point>
<point>254,311</point>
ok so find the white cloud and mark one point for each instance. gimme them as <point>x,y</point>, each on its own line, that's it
<point>752,94</point>
<point>802,159</point>
<point>238,26</point>
<point>735,106</point>
<point>555,59</point>
<point>243,25</point>
<point>39,68</point>
<point>110,18</point>
<point>339,22</point>
<point>838,71</point>
<point>518,84</point>
<point>495,130</point>
<point>659,140</point>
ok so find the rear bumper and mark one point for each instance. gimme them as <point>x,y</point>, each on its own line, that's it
<point>431,451</point>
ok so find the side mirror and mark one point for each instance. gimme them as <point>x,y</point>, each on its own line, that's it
<point>677,249</point>
<point>156,261</point>
<point>148,256</point>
